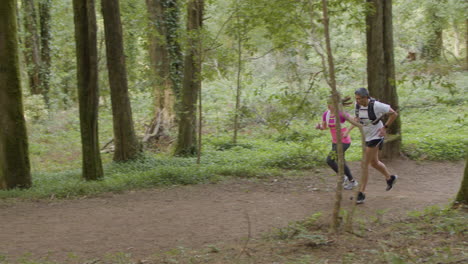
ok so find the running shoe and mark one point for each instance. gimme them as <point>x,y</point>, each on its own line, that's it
<point>345,181</point>
<point>360,198</point>
<point>391,182</point>
<point>351,185</point>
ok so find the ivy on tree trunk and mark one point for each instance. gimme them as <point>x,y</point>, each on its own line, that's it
<point>166,63</point>
<point>32,46</point>
<point>45,37</point>
<point>186,140</point>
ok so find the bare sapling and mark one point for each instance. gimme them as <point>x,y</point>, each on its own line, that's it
<point>336,103</point>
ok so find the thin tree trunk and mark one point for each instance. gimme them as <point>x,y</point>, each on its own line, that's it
<point>88,90</point>
<point>15,169</point>
<point>127,146</point>
<point>313,40</point>
<point>200,124</point>
<point>32,53</point>
<point>457,39</point>
<point>186,140</point>
<point>44,18</point>
<point>466,44</point>
<point>238,88</point>
<point>200,101</point>
<point>462,196</point>
<point>336,102</point>
<point>381,67</point>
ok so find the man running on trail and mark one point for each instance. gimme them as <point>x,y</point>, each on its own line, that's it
<point>369,113</point>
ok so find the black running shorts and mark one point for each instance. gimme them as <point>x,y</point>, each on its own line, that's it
<point>375,142</point>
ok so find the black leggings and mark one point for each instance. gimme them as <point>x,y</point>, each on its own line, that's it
<point>333,155</point>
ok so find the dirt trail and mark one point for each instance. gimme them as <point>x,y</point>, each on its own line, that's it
<point>145,222</point>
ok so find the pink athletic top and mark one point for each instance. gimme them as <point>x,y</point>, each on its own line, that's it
<point>330,119</point>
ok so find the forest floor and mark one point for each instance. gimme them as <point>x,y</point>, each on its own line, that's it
<point>144,223</point>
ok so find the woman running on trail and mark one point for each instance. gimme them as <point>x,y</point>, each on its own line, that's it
<point>369,113</point>
<point>329,121</point>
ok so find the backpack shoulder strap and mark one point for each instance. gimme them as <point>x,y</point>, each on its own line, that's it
<point>370,110</point>
<point>356,110</point>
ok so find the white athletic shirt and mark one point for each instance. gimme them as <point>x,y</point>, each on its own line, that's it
<point>371,132</point>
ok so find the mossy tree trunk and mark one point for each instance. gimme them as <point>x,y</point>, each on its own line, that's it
<point>186,140</point>
<point>127,146</point>
<point>45,38</point>
<point>172,22</point>
<point>164,99</point>
<point>15,169</point>
<point>32,46</point>
<point>166,62</point>
<point>435,23</point>
<point>381,67</point>
<point>88,90</point>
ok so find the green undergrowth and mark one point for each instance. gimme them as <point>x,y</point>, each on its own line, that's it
<point>262,159</point>
<point>436,133</point>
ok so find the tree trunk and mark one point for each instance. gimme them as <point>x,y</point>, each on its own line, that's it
<point>239,74</point>
<point>186,140</point>
<point>381,67</point>
<point>44,18</point>
<point>172,20</point>
<point>88,91</point>
<point>462,196</point>
<point>15,169</point>
<point>31,43</point>
<point>336,102</point>
<point>466,44</point>
<point>127,146</point>
<point>165,60</point>
<point>457,39</point>
<point>433,46</point>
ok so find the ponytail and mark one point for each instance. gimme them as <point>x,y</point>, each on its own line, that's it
<point>346,101</point>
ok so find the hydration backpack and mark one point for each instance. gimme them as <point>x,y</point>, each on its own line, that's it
<point>370,111</point>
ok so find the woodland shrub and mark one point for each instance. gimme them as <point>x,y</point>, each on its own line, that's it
<point>435,133</point>
<point>35,108</point>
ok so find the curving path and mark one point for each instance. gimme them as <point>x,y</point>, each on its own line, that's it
<point>148,221</point>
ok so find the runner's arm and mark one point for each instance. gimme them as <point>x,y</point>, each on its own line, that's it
<point>392,115</point>
<point>349,130</point>
<point>322,126</point>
